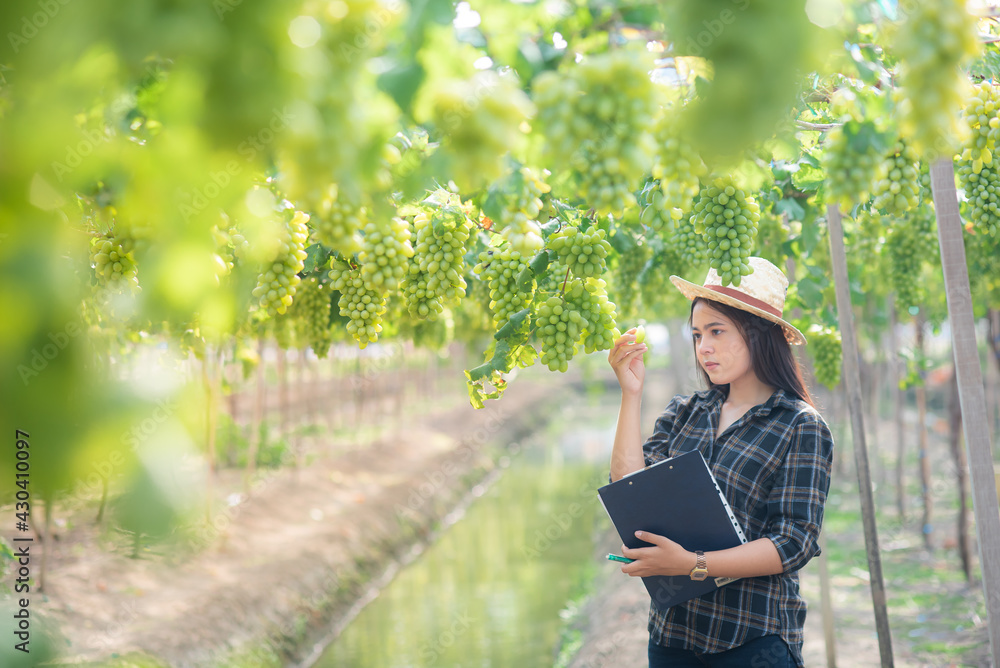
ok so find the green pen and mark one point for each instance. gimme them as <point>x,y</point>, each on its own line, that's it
<point>618,557</point>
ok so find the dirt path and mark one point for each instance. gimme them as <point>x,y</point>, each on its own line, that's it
<point>936,619</point>
<point>288,558</point>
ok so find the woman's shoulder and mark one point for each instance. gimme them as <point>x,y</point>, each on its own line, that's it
<point>802,412</point>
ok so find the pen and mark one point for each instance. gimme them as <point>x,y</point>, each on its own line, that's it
<point>617,557</point>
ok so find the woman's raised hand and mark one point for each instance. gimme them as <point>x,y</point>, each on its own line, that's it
<point>626,359</point>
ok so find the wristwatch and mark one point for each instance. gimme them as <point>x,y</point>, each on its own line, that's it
<point>700,570</point>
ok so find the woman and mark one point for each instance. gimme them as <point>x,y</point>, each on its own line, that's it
<point>770,452</point>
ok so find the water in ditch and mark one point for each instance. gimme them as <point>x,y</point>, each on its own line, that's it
<point>489,591</point>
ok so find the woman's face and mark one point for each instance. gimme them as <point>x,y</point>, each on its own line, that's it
<point>720,347</point>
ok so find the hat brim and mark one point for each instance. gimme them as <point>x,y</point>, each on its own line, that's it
<point>692,290</point>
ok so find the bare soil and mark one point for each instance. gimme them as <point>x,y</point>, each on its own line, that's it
<point>286,562</point>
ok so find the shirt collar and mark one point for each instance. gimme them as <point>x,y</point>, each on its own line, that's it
<point>780,399</point>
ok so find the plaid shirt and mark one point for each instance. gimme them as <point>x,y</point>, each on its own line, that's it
<point>773,465</point>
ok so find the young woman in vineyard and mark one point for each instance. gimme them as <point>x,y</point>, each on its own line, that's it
<point>770,452</point>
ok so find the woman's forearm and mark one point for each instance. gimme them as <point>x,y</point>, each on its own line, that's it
<point>626,456</point>
<point>753,559</point>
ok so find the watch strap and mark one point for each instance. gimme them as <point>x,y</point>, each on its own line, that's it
<point>700,570</point>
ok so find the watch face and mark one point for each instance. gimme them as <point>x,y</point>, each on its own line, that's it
<point>699,575</point>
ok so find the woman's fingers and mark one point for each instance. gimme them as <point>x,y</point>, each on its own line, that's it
<point>620,357</point>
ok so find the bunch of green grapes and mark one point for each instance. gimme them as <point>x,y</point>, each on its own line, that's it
<point>771,237</point>
<point>655,211</point>
<point>866,238</point>
<point>359,302</point>
<point>630,264</point>
<point>112,258</point>
<point>906,248</point>
<point>982,254</point>
<point>757,51</point>
<point>384,252</point>
<point>403,156</point>
<point>228,243</point>
<point>475,138</point>
<point>827,354</point>
<point>934,42</point>
<point>522,205</point>
<point>276,284</point>
<point>338,219</point>
<point>925,227</point>
<point>283,331</point>
<point>553,278</point>
<point>437,270</point>
<point>559,327</point>
<point>500,269</point>
<point>850,169</point>
<point>312,311</point>
<point>589,298</point>
<point>896,189</point>
<point>654,280</point>
<point>924,179</point>
<point>691,245</point>
<point>583,252</point>
<point>980,114</point>
<point>583,316</point>
<point>727,218</point>
<point>982,194</point>
<point>597,116</point>
<point>677,165</point>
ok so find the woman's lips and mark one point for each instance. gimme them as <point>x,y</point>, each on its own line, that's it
<point>710,365</point>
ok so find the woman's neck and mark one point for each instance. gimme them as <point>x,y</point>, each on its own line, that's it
<point>748,391</point>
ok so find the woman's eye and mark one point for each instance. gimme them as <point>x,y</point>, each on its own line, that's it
<point>716,332</point>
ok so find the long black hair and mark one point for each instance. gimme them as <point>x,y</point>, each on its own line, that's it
<point>771,356</point>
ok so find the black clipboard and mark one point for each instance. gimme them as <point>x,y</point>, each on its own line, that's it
<point>677,498</point>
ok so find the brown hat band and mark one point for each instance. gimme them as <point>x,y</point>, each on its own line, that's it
<point>746,299</point>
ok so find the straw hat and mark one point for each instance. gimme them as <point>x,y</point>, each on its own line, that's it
<point>761,293</point>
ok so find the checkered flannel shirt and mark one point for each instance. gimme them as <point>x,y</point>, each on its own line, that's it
<point>773,465</point>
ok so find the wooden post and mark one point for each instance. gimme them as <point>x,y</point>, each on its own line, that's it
<point>840,402</point>
<point>852,381</point>
<point>283,408</point>
<point>897,412</point>
<point>310,403</point>
<point>970,389</point>
<point>210,421</point>
<point>993,369</point>
<point>963,538</point>
<point>257,424</point>
<point>235,374</point>
<point>927,525</point>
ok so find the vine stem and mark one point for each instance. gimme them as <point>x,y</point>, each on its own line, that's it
<point>564,282</point>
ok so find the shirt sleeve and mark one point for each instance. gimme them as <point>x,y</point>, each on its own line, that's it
<point>795,504</point>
